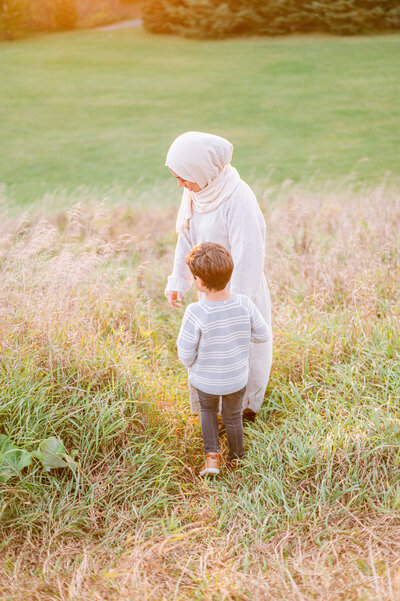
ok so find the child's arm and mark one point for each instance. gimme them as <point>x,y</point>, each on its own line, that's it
<point>260,330</point>
<point>188,339</point>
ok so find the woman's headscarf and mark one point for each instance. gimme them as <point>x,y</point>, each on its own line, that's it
<point>204,159</point>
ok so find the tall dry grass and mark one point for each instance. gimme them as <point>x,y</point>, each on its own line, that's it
<point>88,355</point>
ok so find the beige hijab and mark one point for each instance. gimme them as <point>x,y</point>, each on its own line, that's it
<point>204,159</point>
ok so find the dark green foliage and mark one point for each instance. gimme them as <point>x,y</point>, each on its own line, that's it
<point>357,16</point>
<point>221,18</point>
<point>196,18</point>
<point>157,16</point>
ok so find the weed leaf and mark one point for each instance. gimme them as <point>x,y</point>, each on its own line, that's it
<point>12,459</point>
<point>52,454</point>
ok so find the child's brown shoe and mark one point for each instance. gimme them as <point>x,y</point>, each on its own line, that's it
<point>212,465</point>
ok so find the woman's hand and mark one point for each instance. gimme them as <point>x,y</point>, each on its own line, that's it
<point>174,299</point>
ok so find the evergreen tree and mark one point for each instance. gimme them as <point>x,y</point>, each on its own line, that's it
<point>221,18</point>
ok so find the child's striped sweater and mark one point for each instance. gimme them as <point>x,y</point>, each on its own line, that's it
<point>214,342</point>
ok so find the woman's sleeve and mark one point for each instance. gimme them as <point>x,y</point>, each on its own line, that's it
<point>181,278</point>
<point>247,242</point>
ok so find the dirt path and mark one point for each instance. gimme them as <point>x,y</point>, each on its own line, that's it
<point>121,25</point>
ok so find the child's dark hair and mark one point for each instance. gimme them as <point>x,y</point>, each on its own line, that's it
<point>212,263</point>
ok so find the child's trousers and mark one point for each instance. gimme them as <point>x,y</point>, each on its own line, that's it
<point>231,413</point>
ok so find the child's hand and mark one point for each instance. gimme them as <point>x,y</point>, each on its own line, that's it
<point>174,299</point>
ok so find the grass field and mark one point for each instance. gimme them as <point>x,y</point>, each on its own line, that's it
<point>88,356</point>
<point>87,349</point>
<point>96,108</point>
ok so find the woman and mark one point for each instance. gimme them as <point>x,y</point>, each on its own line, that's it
<point>217,206</point>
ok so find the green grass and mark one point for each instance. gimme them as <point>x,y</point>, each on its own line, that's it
<point>88,355</point>
<point>98,109</point>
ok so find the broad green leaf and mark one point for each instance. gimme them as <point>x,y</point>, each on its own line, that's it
<point>52,454</point>
<point>12,459</point>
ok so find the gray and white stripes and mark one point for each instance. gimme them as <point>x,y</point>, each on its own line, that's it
<point>214,342</point>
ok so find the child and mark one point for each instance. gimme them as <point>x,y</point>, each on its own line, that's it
<point>214,343</point>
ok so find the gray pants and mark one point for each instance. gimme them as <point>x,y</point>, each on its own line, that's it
<point>231,413</point>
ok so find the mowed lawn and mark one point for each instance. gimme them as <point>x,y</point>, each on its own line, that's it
<point>98,108</point>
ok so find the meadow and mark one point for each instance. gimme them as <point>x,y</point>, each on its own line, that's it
<point>100,108</point>
<point>88,343</point>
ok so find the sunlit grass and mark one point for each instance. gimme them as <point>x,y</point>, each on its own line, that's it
<point>94,108</point>
<point>88,355</point>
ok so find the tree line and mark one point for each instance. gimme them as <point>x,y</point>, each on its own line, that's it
<point>223,18</point>
<point>20,17</point>
<point>207,18</point>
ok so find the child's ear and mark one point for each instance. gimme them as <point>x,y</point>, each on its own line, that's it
<point>199,280</point>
